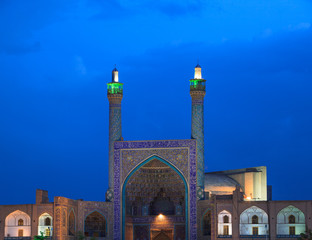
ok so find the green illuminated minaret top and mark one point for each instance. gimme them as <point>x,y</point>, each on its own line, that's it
<point>114,87</point>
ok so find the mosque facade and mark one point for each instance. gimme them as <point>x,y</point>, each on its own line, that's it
<point>158,190</point>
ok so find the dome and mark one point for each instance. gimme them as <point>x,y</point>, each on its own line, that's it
<point>219,184</point>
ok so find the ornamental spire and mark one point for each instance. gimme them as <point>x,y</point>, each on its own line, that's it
<point>197,74</point>
<point>115,75</point>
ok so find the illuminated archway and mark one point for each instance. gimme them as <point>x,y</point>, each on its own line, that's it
<point>224,223</point>
<point>17,224</point>
<point>290,221</point>
<point>254,221</point>
<point>162,170</point>
<point>45,224</point>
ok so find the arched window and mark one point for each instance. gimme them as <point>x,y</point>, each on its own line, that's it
<point>71,224</point>
<point>207,224</point>
<point>226,219</point>
<point>47,221</point>
<point>254,219</point>
<point>95,225</point>
<point>20,222</point>
<point>291,219</point>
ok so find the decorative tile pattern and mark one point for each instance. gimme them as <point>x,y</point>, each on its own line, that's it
<point>57,223</point>
<point>178,157</point>
<point>105,208</point>
<point>198,134</point>
<point>175,152</point>
<point>141,232</point>
<point>114,135</point>
<point>63,206</point>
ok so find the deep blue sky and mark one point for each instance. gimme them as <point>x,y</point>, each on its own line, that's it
<point>56,58</point>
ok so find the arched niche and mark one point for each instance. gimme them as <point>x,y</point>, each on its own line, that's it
<point>290,221</point>
<point>17,224</point>
<point>206,223</point>
<point>254,221</point>
<point>45,224</point>
<point>156,192</point>
<point>95,225</point>
<point>71,223</point>
<point>224,223</point>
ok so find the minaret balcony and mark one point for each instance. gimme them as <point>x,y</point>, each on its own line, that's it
<point>114,88</point>
<point>197,85</point>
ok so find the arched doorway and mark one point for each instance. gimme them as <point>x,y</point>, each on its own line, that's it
<point>17,224</point>
<point>154,202</point>
<point>45,225</point>
<point>290,221</point>
<point>253,222</point>
<point>224,224</point>
<point>95,225</point>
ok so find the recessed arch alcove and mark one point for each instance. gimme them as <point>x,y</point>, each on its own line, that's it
<point>95,225</point>
<point>148,173</point>
<point>18,224</point>
<point>155,194</point>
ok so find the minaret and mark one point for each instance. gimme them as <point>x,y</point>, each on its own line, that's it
<point>114,95</point>
<point>198,91</point>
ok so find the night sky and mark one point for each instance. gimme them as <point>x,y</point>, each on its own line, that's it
<point>57,56</point>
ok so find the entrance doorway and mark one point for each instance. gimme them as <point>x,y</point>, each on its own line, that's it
<point>154,201</point>
<point>161,234</point>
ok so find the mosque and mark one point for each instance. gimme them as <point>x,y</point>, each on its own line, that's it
<point>158,190</point>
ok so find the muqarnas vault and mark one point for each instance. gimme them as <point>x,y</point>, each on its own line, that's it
<point>158,190</point>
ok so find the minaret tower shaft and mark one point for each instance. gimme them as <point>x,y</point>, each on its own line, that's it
<point>198,91</point>
<point>114,95</point>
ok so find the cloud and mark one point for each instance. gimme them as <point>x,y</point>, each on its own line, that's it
<point>21,48</point>
<point>111,9</point>
<point>288,51</point>
<point>174,9</point>
<point>114,9</point>
<point>300,26</point>
<point>80,66</point>
<point>20,20</point>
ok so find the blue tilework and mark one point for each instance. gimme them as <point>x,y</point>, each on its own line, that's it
<point>114,135</point>
<point>154,145</point>
<point>198,134</point>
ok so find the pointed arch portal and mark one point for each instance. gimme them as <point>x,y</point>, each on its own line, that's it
<point>45,224</point>
<point>143,202</point>
<point>17,224</point>
<point>159,201</point>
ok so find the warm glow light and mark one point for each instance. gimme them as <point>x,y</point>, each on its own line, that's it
<point>161,217</point>
<point>197,74</point>
<point>248,198</point>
